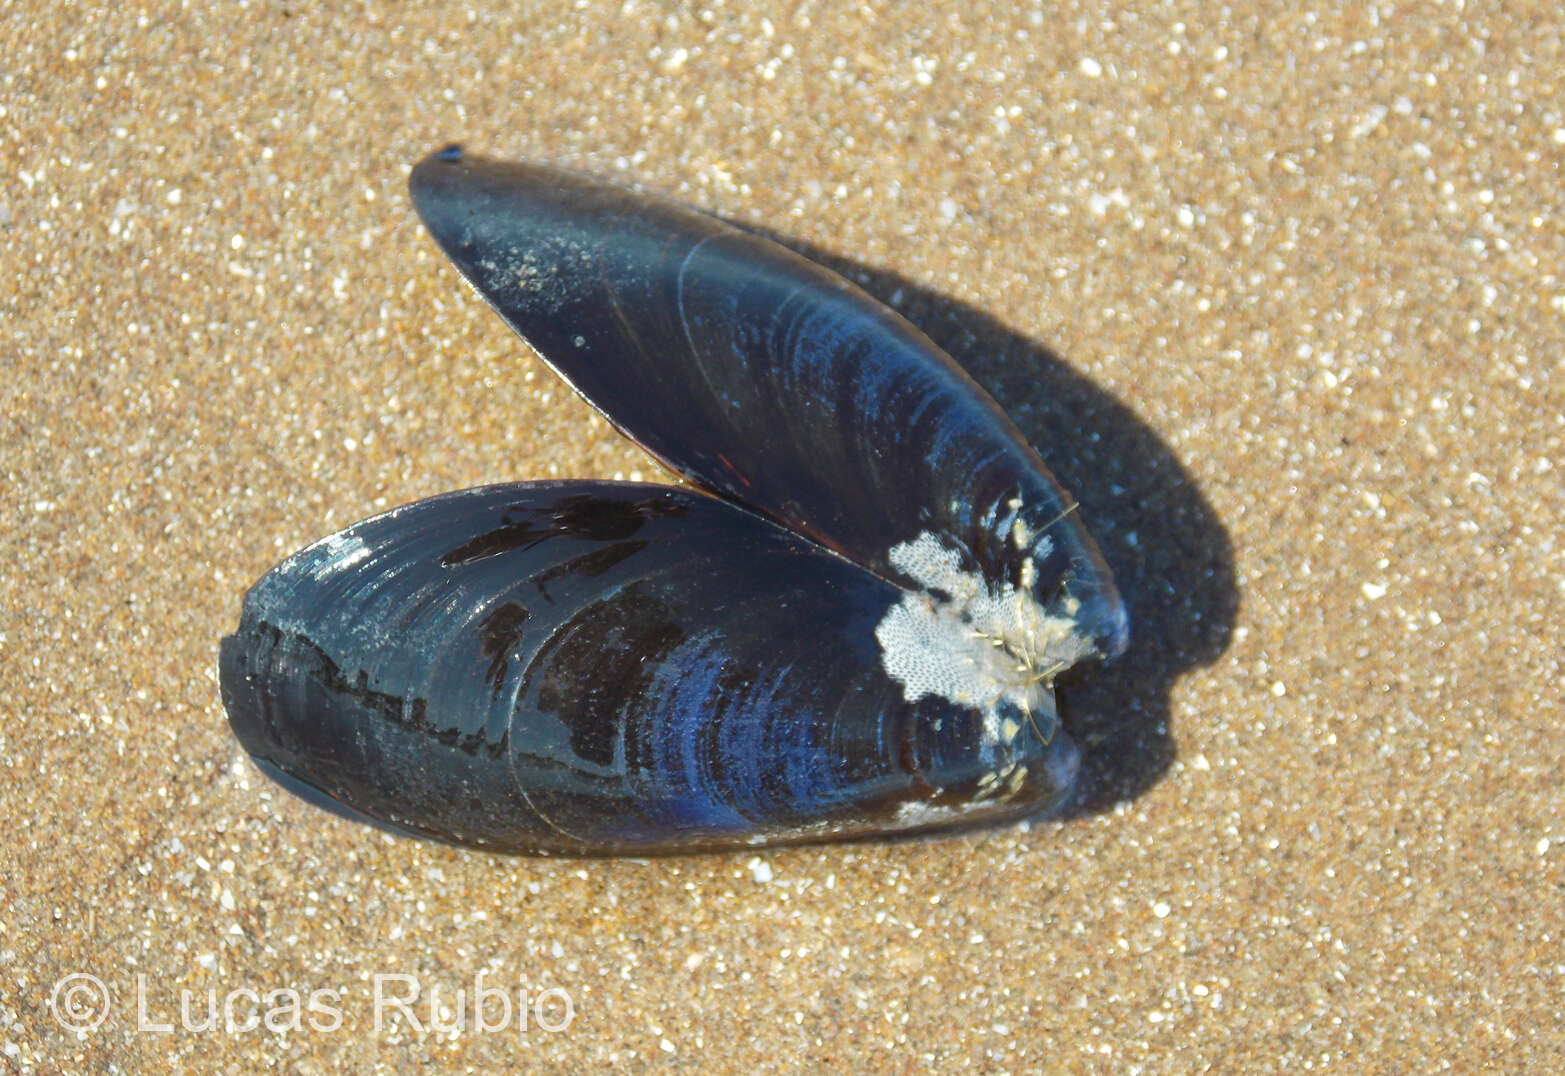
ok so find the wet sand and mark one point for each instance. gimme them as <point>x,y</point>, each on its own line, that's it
<point>1278,296</point>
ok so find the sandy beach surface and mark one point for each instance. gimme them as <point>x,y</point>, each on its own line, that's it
<point>1274,287</point>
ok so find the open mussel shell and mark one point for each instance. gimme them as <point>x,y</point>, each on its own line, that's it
<point>858,633</point>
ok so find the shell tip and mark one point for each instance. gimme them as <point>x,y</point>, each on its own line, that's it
<point>452,152</point>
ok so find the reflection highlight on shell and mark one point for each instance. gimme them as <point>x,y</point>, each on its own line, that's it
<point>851,627</point>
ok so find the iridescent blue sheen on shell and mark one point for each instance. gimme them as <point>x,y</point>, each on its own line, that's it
<point>854,630</point>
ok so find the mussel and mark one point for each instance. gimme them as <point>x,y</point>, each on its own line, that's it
<point>850,627</point>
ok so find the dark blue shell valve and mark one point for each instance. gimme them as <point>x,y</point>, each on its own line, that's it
<point>853,630</point>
